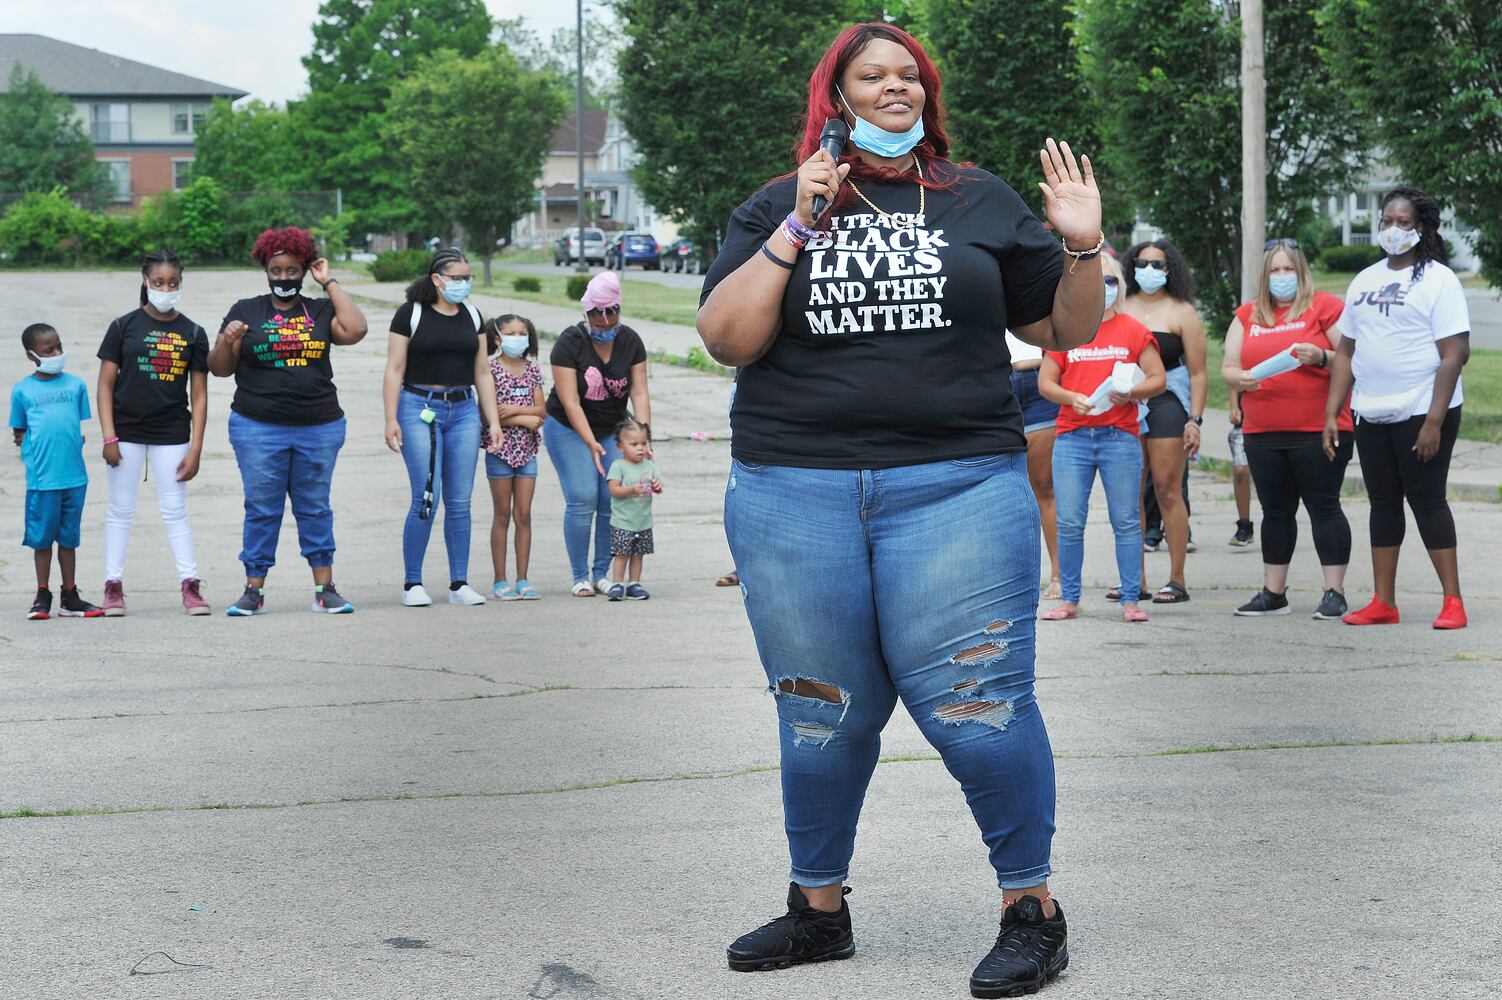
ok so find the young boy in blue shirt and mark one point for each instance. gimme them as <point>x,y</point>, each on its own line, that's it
<point>47,411</point>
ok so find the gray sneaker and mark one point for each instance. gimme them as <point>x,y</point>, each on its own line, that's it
<point>326,600</point>
<point>1331,607</point>
<point>636,592</point>
<point>252,602</point>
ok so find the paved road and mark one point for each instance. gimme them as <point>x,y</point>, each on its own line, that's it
<point>575,799</point>
<point>669,278</point>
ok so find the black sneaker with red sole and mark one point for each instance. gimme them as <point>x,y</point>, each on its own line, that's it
<point>73,606</point>
<point>41,608</point>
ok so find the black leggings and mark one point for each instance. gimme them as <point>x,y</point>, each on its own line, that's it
<point>1291,465</point>
<point>1393,471</point>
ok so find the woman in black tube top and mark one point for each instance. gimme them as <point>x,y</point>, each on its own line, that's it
<point>1160,293</point>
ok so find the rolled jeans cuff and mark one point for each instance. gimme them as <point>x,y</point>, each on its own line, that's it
<point>320,560</point>
<point>809,879</point>
<point>1025,879</point>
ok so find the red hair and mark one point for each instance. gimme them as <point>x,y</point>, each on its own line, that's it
<point>294,241</point>
<point>822,105</point>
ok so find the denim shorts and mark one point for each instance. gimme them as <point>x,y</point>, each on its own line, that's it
<point>54,517</point>
<point>497,467</point>
<point>1037,413</point>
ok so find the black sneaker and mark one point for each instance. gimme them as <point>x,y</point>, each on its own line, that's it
<point>252,602</point>
<point>41,608</point>
<point>1029,951</point>
<point>804,934</point>
<point>1265,603</point>
<point>1331,607</point>
<point>326,600</point>
<point>1151,541</point>
<point>1243,536</point>
<point>70,605</point>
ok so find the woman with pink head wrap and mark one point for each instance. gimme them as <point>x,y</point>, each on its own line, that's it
<point>599,366</point>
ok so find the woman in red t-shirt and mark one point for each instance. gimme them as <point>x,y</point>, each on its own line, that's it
<point>1106,442</point>
<point>1283,419</point>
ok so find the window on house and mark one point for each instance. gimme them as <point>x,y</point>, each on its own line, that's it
<point>182,174</point>
<point>187,119</point>
<point>119,179</point>
<point>109,122</point>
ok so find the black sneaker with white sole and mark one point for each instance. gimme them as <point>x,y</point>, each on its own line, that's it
<point>1244,534</point>
<point>70,605</point>
<point>252,602</point>
<point>803,934</point>
<point>1265,603</point>
<point>326,601</point>
<point>1331,607</point>
<point>1030,950</point>
<point>41,607</point>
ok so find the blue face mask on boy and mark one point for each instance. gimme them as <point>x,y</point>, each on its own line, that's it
<point>52,365</point>
<point>875,139</point>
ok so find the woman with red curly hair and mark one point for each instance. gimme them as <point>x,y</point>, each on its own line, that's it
<point>285,423</point>
<point>878,505</point>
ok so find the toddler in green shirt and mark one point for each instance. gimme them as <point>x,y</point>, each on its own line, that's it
<point>634,479</point>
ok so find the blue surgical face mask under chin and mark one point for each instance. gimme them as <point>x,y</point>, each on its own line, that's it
<point>52,365</point>
<point>455,290</point>
<point>601,335</point>
<point>1110,296</point>
<point>1283,286</point>
<point>1150,279</point>
<point>875,139</point>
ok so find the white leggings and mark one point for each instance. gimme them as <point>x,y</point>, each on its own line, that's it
<point>172,498</point>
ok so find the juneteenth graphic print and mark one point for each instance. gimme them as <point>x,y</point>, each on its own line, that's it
<point>876,274</point>
<point>165,357</point>
<point>289,342</point>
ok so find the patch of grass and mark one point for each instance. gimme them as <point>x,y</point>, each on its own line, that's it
<point>697,358</point>
<point>643,299</point>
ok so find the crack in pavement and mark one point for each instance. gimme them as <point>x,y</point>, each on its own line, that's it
<point>26,812</point>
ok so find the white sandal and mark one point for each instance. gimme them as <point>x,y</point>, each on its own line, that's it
<point>584,588</point>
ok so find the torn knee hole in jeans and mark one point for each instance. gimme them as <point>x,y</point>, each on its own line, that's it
<point>805,688</point>
<point>996,714</point>
<point>812,732</point>
<point>808,695</point>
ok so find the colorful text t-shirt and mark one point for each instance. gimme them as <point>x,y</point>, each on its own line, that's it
<point>892,349</point>
<point>1293,401</point>
<point>285,376</point>
<point>155,358</point>
<point>518,444</point>
<point>1120,339</point>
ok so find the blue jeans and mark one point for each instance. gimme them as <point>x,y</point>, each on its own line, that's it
<point>586,497</point>
<point>456,429</point>
<point>281,461</point>
<point>1117,455</point>
<point>918,582</point>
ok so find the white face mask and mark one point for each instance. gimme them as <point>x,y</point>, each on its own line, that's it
<point>52,365</point>
<point>1397,241</point>
<point>163,302</point>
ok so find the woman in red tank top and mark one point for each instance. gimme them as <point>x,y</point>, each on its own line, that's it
<point>1283,419</point>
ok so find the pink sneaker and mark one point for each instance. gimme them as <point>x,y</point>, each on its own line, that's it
<point>193,602</point>
<point>114,599</point>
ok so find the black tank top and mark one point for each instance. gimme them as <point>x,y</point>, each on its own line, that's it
<point>1170,347</point>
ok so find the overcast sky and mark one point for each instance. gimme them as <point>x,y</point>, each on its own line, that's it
<point>254,47</point>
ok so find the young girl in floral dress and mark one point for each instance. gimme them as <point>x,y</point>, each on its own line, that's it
<point>512,473</point>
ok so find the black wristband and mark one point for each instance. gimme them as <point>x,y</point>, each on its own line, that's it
<point>785,265</point>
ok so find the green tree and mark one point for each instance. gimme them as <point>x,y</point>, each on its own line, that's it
<point>361,48</point>
<point>257,147</point>
<point>693,72</point>
<point>1429,78</point>
<point>43,145</point>
<point>472,134</point>
<point>1165,80</point>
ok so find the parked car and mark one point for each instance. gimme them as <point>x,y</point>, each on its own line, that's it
<point>681,256</point>
<point>566,250</point>
<point>633,248</point>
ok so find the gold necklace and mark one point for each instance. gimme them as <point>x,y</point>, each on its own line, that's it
<point>922,200</point>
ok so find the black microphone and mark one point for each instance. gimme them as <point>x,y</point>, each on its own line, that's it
<point>833,139</point>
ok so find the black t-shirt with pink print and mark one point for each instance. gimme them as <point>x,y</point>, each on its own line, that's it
<point>604,386</point>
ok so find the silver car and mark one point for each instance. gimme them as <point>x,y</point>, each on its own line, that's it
<point>566,250</point>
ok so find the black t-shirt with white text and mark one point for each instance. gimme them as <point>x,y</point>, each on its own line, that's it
<point>155,358</point>
<point>604,386</point>
<point>444,350</point>
<point>285,375</point>
<point>892,349</point>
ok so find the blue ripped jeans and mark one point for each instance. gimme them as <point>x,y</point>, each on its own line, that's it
<point>456,427</point>
<point>586,497</point>
<point>919,583</point>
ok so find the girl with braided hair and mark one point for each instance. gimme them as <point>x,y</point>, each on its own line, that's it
<point>1407,336</point>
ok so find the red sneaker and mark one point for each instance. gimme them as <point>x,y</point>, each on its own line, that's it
<point>1452,615</point>
<point>1375,613</point>
<point>193,602</point>
<point>114,599</point>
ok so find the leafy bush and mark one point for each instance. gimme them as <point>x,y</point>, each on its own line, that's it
<point>1316,236</point>
<point>400,265</point>
<point>46,229</point>
<point>577,283</point>
<point>1349,260</point>
<point>201,221</point>
<point>119,239</point>
<point>526,283</point>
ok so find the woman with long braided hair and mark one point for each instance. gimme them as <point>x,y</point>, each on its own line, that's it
<point>1407,336</point>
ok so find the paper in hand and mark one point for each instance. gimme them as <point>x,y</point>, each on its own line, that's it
<point>1278,364</point>
<point>1123,377</point>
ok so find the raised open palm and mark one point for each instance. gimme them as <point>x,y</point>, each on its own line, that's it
<point>1070,196</point>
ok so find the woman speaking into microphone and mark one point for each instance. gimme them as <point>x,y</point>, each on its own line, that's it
<point>878,504</point>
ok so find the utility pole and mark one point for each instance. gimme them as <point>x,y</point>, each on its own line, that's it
<point>582,266</point>
<point>1253,148</point>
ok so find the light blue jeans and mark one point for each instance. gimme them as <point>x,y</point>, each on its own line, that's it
<point>919,583</point>
<point>279,462</point>
<point>1117,455</point>
<point>586,497</point>
<point>456,428</point>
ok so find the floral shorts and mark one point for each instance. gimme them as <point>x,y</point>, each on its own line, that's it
<point>630,543</point>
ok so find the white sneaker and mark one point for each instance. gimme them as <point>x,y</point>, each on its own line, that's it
<point>602,586</point>
<point>416,597</point>
<point>465,595</point>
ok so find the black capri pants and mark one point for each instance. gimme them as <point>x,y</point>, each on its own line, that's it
<point>1392,471</point>
<point>1289,466</point>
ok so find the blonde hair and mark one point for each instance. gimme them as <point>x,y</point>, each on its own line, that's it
<point>1264,308</point>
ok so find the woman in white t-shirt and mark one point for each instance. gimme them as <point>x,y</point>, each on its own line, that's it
<point>1038,418</point>
<point>1407,335</point>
